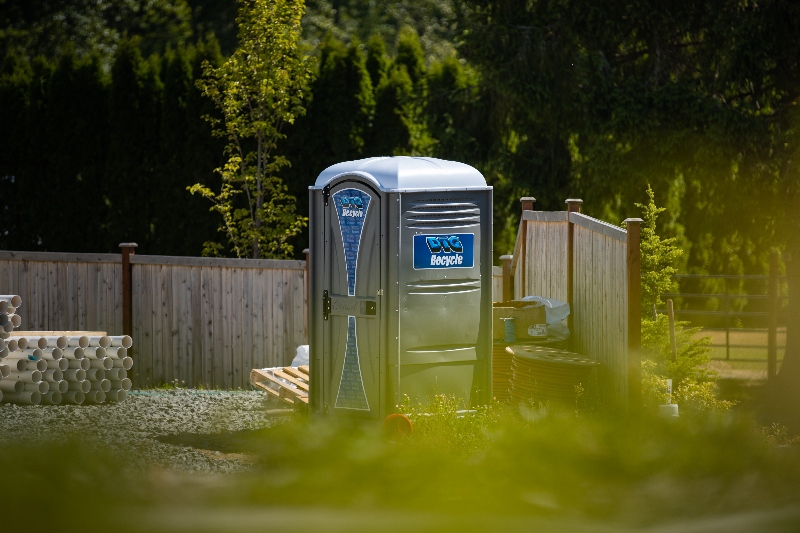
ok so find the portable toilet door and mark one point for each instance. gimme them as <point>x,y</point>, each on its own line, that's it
<point>351,284</point>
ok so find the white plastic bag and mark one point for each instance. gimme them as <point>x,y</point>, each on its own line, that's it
<point>556,312</point>
<point>301,356</point>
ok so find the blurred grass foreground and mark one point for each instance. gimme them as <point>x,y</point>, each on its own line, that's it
<point>493,469</point>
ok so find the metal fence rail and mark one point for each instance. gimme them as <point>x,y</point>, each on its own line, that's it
<point>774,316</point>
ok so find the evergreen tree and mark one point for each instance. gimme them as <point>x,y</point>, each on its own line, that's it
<point>134,113</point>
<point>337,125</point>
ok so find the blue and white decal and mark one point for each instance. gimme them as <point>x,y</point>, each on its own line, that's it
<point>351,393</point>
<point>452,250</point>
<point>351,208</point>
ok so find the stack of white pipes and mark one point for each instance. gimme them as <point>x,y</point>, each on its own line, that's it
<point>9,319</point>
<point>57,370</point>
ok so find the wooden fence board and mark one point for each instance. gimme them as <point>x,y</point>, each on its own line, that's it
<point>206,328</point>
<point>256,316</point>
<point>227,333</point>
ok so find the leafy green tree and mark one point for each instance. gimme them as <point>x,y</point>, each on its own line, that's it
<point>258,90</point>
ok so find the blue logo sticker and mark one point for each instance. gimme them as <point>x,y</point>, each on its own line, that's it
<point>454,250</point>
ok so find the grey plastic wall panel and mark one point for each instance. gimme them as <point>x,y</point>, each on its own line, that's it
<point>441,294</point>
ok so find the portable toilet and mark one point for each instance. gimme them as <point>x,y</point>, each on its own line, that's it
<point>400,285</point>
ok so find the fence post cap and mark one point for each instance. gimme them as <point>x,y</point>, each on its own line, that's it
<point>128,245</point>
<point>306,250</point>
<point>527,199</point>
<point>633,221</point>
<point>573,201</point>
<point>507,257</point>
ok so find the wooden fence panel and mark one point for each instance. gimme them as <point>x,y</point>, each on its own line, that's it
<point>600,308</point>
<point>497,284</point>
<point>599,303</point>
<point>201,321</point>
<point>545,256</point>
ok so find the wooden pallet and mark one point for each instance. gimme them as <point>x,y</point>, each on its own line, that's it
<point>288,384</point>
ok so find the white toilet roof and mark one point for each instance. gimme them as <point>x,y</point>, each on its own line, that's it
<point>407,173</point>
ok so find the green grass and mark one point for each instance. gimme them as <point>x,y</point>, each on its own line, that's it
<point>499,466</point>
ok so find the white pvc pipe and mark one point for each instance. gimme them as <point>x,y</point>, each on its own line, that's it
<point>74,374</point>
<point>4,319</point>
<point>52,353</point>
<point>63,386</point>
<point>72,397</point>
<point>125,362</point>
<point>11,299</point>
<point>116,374</point>
<point>7,385</point>
<point>53,397</point>
<point>83,386</point>
<point>96,374</point>
<point>124,384</point>
<point>116,395</point>
<point>95,396</point>
<point>40,387</point>
<point>61,364</point>
<point>103,341</point>
<point>39,342</point>
<point>8,328</point>
<point>4,335</point>
<point>73,352</point>
<point>4,370</point>
<point>121,340</point>
<point>40,365</point>
<point>12,344</point>
<point>94,352</point>
<point>11,310</point>
<point>56,341</point>
<point>117,352</point>
<point>103,385</point>
<point>16,320</point>
<point>15,365</point>
<point>106,363</point>
<point>4,353</point>
<point>81,341</point>
<point>28,376</point>
<point>78,363</point>
<point>24,398</point>
<point>52,376</point>
<point>31,354</point>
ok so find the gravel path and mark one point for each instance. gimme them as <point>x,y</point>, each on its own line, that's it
<point>132,427</point>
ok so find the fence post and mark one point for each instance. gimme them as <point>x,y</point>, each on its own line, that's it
<point>506,261</point>
<point>128,249</point>
<point>634,263</point>
<point>307,251</point>
<point>527,205</point>
<point>772,313</point>
<point>573,206</point>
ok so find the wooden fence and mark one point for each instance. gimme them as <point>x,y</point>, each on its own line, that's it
<point>201,321</point>
<point>595,267</point>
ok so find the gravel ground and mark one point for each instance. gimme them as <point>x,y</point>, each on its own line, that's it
<point>133,426</point>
